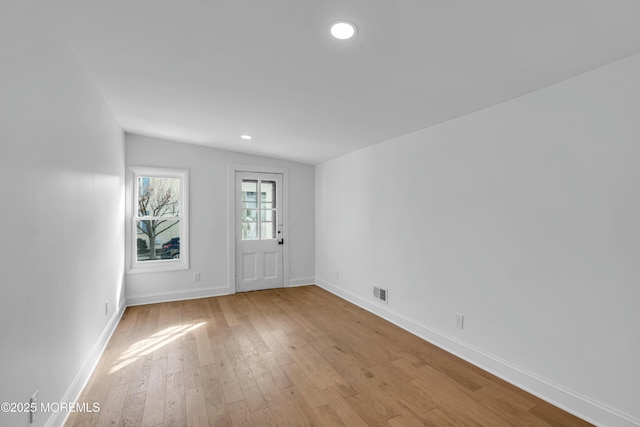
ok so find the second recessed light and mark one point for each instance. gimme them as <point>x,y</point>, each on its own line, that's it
<point>247,137</point>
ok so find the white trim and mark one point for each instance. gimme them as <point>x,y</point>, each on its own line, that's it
<point>300,281</point>
<point>158,297</point>
<point>88,367</point>
<point>560,396</point>
<point>133,267</point>
<point>231,237</point>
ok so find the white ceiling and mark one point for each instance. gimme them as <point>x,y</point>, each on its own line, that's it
<point>206,71</point>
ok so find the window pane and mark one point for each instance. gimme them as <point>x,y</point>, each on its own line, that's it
<point>158,196</point>
<point>268,230</point>
<point>267,190</point>
<point>249,231</point>
<point>249,205</point>
<point>158,239</point>
<point>249,215</point>
<point>267,215</point>
<point>268,194</point>
<point>249,190</point>
<point>267,224</point>
<point>249,224</point>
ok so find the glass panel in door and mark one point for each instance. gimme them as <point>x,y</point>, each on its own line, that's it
<point>258,215</point>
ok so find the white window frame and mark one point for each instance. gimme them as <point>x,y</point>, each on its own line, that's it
<point>133,265</point>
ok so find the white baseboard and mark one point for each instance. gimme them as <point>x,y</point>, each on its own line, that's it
<point>158,297</point>
<point>82,378</point>
<point>562,397</point>
<point>301,281</point>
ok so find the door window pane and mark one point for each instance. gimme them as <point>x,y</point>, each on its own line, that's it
<point>249,190</point>
<point>267,215</point>
<point>250,205</point>
<point>267,194</point>
<point>268,230</point>
<point>250,224</point>
<point>249,231</point>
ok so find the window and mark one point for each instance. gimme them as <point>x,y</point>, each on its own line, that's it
<point>259,214</point>
<point>159,220</point>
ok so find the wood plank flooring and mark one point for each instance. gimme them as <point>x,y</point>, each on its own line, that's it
<point>291,357</point>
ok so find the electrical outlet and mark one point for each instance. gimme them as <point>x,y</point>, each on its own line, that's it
<point>33,407</point>
<point>106,308</point>
<point>196,276</point>
<point>459,321</point>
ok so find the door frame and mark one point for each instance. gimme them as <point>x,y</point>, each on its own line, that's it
<point>231,219</point>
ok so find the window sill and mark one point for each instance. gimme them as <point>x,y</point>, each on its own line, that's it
<point>158,266</point>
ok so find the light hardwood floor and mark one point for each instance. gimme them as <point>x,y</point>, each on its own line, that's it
<point>291,357</point>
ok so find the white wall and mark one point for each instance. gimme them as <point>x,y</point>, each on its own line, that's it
<point>209,216</point>
<point>61,216</point>
<point>524,217</point>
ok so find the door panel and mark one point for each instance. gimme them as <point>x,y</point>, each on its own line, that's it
<point>270,265</point>
<point>259,239</point>
<point>250,266</point>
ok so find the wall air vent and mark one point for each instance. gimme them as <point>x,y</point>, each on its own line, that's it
<point>381,294</point>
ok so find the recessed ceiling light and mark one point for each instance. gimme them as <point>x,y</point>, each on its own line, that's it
<point>247,137</point>
<point>343,30</point>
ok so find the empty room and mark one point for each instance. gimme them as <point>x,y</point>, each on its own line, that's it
<point>320,213</point>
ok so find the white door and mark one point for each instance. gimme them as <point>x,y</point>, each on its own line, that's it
<point>259,234</point>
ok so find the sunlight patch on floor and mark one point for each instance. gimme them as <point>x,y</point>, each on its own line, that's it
<point>154,342</point>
